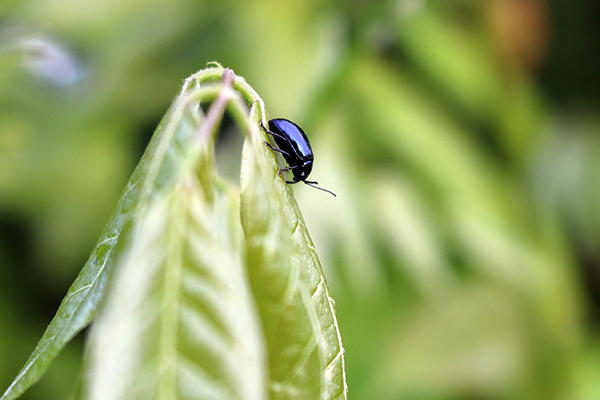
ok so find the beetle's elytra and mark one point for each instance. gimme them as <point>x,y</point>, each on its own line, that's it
<point>295,148</point>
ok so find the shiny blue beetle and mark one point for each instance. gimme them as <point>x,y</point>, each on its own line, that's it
<point>295,148</point>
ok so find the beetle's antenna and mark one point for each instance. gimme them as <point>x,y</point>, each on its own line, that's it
<point>314,184</point>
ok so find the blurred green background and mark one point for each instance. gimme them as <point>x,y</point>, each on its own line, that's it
<point>461,136</point>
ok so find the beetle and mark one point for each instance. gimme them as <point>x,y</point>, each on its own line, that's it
<point>295,149</point>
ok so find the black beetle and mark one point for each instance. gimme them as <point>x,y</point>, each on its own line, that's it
<point>295,149</point>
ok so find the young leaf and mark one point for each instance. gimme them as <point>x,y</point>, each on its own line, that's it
<point>306,358</point>
<point>207,300</point>
<point>179,322</point>
<point>80,305</point>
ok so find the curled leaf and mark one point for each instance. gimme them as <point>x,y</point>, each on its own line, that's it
<point>206,292</point>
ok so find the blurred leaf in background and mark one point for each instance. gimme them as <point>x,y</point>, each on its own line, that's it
<point>461,138</point>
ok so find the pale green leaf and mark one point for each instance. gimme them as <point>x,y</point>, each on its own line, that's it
<point>79,307</point>
<point>179,322</point>
<point>214,295</point>
<point>306,358</point>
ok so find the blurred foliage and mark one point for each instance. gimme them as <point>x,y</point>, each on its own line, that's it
<point>461,138</point>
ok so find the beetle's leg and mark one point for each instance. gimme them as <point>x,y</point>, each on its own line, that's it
<point>290,182</point>
<point>286,169</point>
<point>278,135</point>
<point>263,126</point>
<point>272,133</point>
<point>285,153</point>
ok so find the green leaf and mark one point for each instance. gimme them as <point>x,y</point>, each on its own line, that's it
<point>80,305</point>
<point>180,322</point>
<point>214,295</point>
<point>306,358</point>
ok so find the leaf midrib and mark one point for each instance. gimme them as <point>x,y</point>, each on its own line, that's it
<point>170,312</point>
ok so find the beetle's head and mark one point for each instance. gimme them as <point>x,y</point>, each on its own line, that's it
<point>299,176</point>
<point>302,172</point>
